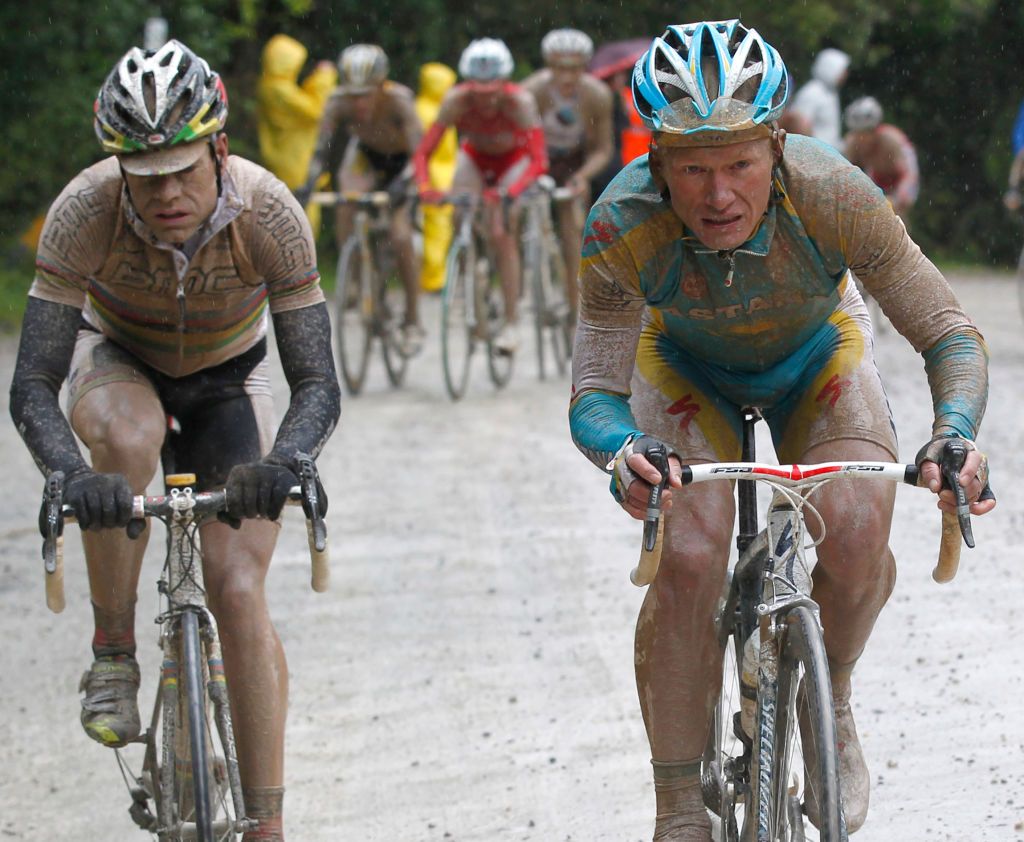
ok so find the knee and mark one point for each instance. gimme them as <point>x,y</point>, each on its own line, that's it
<point>692,569</point>
<point>130,446</point>
<point>235,594</point>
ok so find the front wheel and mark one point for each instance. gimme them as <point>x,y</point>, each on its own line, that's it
<point>457,318</point>
<point>390,295</point>
<point>198,760</point>
<point>194,783</point>
<point>354,307</point>
<point>801,689</point>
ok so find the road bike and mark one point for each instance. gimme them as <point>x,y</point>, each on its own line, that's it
<point>473,303</point>
<point>188,787</point>
<point>759,766</point>
<point>369,295</point>
<point>544,274</point>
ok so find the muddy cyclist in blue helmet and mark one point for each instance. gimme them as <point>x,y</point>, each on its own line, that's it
<point>715,274</point>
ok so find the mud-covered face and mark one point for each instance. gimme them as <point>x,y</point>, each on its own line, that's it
<point>719,192</point>
<point>566,73</point>
<point>363,103</point>
<point>175,205</point>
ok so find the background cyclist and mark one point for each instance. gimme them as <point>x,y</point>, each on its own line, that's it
<point>501,153</point>
<point>883,152</point>
<point>715,273</point>
<point>576,112</point>
<point>155,271</point>
<point>379,117</point>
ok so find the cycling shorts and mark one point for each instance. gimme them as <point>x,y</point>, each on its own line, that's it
<point>223,416</point>
<point>385,167</point>
<point>492,168</point>
<point>828,390</point>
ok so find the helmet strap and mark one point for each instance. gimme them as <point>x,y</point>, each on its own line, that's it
<point>216,163</point>
<point>778,145</point>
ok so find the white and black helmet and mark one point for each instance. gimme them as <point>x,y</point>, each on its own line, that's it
<point>361,68</point>
<point>863,115</point>
<point>486,60</point>
<point>156,99</point>
<point>567,42</point>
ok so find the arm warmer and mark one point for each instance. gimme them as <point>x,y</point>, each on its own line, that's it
<point>304,345</point>
<point>48,334</point>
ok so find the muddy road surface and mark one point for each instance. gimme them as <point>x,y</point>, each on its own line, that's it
<point>468,676</point>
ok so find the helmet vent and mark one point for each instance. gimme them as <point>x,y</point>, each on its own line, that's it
<point>149,95</point>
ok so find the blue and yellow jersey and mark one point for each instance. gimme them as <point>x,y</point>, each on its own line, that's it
<point>752,315</point>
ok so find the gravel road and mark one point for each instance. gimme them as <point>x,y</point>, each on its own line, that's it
<point>468,676</point>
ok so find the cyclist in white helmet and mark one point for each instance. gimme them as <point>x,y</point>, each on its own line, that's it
<point>158,270</point>
<point>379,118</point>
<point>501,153</point>
<point>883,151</point>
<point>716,274</point>
<point>576,112</point>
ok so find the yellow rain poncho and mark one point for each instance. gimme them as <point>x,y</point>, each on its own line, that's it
<point>289,113</point>
<point>435,80</point>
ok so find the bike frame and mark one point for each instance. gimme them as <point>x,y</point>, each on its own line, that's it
<point>182,588</point>
<point>767,589</point>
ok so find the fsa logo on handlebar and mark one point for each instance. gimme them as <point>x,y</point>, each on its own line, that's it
<point>732,470</point>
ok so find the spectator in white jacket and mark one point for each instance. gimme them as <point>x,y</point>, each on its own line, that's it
<point>816,104</point>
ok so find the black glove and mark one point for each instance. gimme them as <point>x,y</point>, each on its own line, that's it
<point>259,489</point>
<point>932,452</point>
<point>101,501</point>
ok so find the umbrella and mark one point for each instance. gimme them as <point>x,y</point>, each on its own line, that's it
<point>614,56</point>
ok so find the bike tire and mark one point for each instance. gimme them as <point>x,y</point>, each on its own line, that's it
<point>534,266</point>
<point>499,363</point>
<point>722,773</point>
<point>802,664</point>
<point>200,761</point>
<point>389,297</point>
<point>558,310</point>
<point>457,318</point>
<point>354,309</point>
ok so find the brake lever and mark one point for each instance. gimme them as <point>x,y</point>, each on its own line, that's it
<point>954,453</point>
<point>658,457</point>
<point>311,499</point>
<point>53,519</point>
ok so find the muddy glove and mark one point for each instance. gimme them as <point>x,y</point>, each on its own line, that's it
<point>622,474</point>
<point>259,489</point>
<point>101,501</point>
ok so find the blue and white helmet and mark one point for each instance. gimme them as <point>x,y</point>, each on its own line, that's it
<point>486,60</point>
<point>710,82</point>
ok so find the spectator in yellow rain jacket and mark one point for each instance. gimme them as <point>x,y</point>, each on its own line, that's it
<point>435,80</point>
<point>289,113</point>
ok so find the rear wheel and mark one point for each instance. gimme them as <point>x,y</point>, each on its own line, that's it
<point>457,318</point>
<point>354,307</point>
<point>724,771</point>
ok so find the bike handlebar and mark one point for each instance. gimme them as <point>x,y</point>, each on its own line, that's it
<point>792,476</point>
<point>202,505</point>
<point>374,199</point>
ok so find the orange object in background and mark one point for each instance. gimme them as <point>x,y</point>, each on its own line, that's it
<point>636,137</point>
